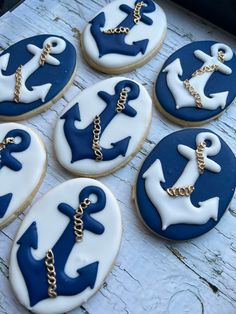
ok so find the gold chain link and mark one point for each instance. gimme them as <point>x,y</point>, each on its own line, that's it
<point>46,50</point>
<point>51,274</point>
<point>96,138</point>
<point>122,100</point>
<point>200,157</point>
<point>183,191</point>
<point>18,78</point>
<point>137,9</point>
<point>117,30</point>
<point>78,219</point>
<point>6,141</point>
<point>193,93</point>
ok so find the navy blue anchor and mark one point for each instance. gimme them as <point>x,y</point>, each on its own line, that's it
<point>7,160</point>
<point>34,271</point>
<point>81,140</point>
<point>115,43</point>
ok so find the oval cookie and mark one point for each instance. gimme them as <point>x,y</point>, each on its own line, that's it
<point>124,35</point>
<point>186,184</point>
<point>66,244</point>
<point>197,83</point>
<point>22,167</point>
<point>34,74</point>
<point>103,127</point>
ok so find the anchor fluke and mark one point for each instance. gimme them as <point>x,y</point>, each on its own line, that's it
<point>29,237</point>
<point>89,274</point>
<point>42,91</point>
<point>4,203</point>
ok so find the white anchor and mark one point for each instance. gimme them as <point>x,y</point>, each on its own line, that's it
<point>7,83</point>
<point>178,90</point>
<point>174,210</point>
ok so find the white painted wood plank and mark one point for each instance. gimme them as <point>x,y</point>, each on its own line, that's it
<point>150,275</point>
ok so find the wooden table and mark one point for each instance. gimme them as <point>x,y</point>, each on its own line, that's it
<point>150,275</point>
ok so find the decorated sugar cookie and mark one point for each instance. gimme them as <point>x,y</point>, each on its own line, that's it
<point>197,83</point>
<point>65,246</point>
<point>103,127</point>
<point>124,35</point>
<point>34,73</point>
<point>186,184</point>
<point>22,167</point>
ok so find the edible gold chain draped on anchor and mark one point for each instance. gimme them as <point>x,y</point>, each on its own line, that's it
<point>122,100</point>
<point>78,219</point>
<point>200,157</point>
<point>125,30</point>
<point>207,68</point>
<point>183,191</point>
<point>5,142</point>
<point>18,77</point>
<point>45,53</point>
<point>51,274</point>
<point>96,138</point>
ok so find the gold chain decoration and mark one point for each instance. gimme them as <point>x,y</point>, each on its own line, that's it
<point>184,191</point>
<point>5,142</point>
<point>193,93</point>
<point>125,30</point>
<point>46,50</point>
<point>137,9</point>
<point>206,68</point>
<point>78,221</point>
<point>96,138</point>
<point>122,100</point>
<point>200,157</point>
<point>18,77</point>
<point>51,274</point>
<point>117,30</point>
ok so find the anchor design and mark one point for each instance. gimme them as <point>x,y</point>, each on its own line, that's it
<point>115,43</point>
<point>6,158</point>
<point>34,271</point>
<point>81,140</point>
<point>181,94</point>
<point>4,203</point>
<point>8,82</point>
<point>175,210</point>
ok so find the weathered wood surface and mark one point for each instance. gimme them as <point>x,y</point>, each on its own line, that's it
<point>150,275</point>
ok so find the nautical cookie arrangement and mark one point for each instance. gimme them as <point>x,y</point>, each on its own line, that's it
<point>34,74</point>
<point>89,140</point>
<point>68,241</point>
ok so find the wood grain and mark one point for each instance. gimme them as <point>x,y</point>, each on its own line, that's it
<point>150,275</point>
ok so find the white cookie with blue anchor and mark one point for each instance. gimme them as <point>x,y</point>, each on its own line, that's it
<point>34,74</point>
<point>197,83</point>
<point>186,184</point>
<point>80,267</point>
<point>22,168</point>
<point>124,35</point>
<point>122,133</point>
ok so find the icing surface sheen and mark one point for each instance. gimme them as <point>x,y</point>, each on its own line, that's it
<point>172,163</point>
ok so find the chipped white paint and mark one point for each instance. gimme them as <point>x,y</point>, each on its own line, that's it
<point>151,275</point>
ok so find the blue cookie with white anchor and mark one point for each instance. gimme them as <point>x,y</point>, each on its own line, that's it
<point>34,74</point>
<point>65,247</point>
<point>186,184</point>
<point>197,83</point>
<point>22,167</point>
<point>124,35</point>
<point>103,127</point>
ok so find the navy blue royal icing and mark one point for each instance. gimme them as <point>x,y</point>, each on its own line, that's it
<point>7,160</point>
<point>34,271</point>
<point>58,75</point>
<point>115,43</point>
<point>81,140</point>
<point>218,82</point>
<point>4,203</point>
<point>208,185</point>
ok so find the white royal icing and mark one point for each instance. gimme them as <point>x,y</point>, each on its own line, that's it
<point>120,127</point>
<point>8,82</point>
<point>175,210</point>
<point>22,183</point>
<point>181,94</point>
<point>154,33</point>
<point>50,225</point>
